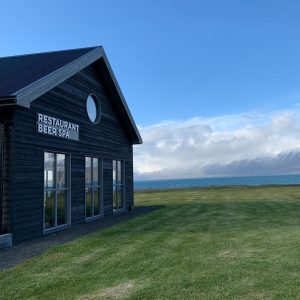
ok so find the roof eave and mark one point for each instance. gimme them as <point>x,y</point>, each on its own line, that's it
<point>36,89</point>
<point>138,138</point>
<point>8,101</point>
<point>138,142</point>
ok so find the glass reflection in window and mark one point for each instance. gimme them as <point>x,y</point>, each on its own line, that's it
<point>55,190</point>
<point>118,185</point>
<point>93,186</point>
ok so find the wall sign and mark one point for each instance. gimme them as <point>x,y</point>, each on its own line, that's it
<point>57,127</point>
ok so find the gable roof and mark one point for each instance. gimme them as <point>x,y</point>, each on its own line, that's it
<point>24,78</point>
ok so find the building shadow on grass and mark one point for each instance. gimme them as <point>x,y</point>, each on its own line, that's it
<point>10,257</point>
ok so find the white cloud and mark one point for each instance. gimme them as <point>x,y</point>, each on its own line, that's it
<point>202,146</point>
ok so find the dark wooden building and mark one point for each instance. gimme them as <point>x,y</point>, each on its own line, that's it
<point>66,137</point>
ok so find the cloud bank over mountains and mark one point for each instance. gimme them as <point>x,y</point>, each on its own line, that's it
<point>230,145</point>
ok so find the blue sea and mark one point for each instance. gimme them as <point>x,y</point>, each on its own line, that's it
<point>220,181</point>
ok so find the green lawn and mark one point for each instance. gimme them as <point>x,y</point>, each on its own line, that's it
<point>225,243</point>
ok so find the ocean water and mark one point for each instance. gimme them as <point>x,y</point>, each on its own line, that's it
<point>220,181</point>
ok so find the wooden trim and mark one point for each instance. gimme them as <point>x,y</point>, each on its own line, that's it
<point>36,89</point>
<point>8,101</point>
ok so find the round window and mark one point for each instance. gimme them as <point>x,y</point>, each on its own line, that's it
<point>93,108</point>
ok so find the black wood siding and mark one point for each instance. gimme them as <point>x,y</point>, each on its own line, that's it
<point>107,140</point>
<point>6,175</point>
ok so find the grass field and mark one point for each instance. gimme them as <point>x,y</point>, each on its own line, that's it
<point>225,243</point>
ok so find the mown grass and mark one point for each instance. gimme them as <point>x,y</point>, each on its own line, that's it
<point>224,243</point>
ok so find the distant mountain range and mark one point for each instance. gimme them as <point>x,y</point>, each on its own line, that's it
<point>283,163</point>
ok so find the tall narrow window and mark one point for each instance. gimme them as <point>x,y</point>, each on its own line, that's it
<point>118,185</point>
<point>93,186</point>
<point>55,190</point>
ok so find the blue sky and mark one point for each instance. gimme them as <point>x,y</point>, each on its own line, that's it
<point>177,60</point>
<point>174,59</point>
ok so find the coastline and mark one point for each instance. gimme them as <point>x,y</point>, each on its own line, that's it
<point>217,187</point>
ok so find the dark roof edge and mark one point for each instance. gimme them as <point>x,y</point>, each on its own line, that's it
<point>112,75</point>
<point>8,100</point>
<point>26,95</point>
<point>49,52</point>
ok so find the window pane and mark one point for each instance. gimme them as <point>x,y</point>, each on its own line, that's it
<point>49,170</point>
<point>96,201</point>
<point>88,202</point>
<point>91,108</point>
<point>119,170</point>
<point>88,170</point>
<point>120,197</point>
<point>114,172</point>
<point>95,171</point>
<point>61,207</point>
<point>115,200</point>
<point>55,201</point>
<point>49,200</point>
<point>60,170</point>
